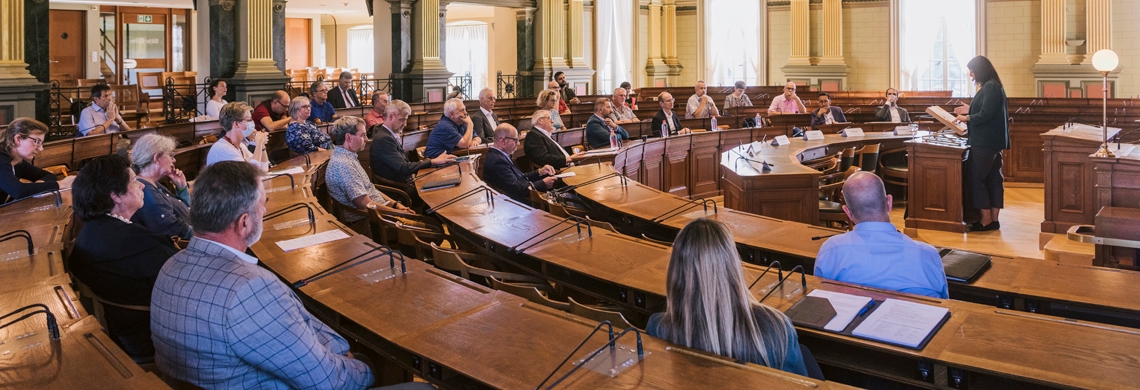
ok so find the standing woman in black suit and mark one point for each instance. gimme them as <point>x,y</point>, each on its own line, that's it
<point>988,123</point>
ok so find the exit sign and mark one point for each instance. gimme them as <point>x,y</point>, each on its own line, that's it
<point>145,18</point>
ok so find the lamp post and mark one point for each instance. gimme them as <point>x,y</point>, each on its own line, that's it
<point>1105,61</point>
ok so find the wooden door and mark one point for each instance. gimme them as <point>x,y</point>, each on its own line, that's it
<point>68,49</point>
<point>299,34</point>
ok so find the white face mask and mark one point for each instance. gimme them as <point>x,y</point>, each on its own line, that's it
<point>249,127</point>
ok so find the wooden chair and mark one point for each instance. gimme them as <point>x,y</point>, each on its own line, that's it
<point>868,158</point>
<point>831,198</point>
<point>459,263</point>
<point>846,158</point>
<point>99,305</point>
<point>893,169</point>
<point>597,314</point>
<point>534,292</point>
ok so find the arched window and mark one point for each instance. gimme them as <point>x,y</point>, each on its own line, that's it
<point>615,41</point>
<point>936,40</point>
<point>731,41</point>
<point>467,53</point>
<point>361,49</point>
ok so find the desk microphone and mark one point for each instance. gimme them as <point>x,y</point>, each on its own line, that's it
<point>817,238</point>
<point>292,184</point>
<point>779,268</point>
<point>591,356</point>
<point>803,280</point>
<point>344,265</point>
<point>19,233</point>
<point>53,326</point>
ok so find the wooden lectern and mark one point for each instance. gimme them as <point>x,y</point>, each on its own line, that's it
<point>936,190</point>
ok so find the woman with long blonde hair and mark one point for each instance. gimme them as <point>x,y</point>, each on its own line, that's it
<point>711,309</point>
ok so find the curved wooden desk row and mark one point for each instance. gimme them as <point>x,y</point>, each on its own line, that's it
<point>1085,293</point>
<point>981,345</point>
<point>458,334</point>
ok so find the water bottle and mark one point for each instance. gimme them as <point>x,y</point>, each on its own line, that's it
<point>758,120</point>
<point>613,140</point>
<point>712,123</point>
<point>665,129</point>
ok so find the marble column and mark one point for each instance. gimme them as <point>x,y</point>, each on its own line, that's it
<point>575,57</point>
<point>257,75</point>
<point>800,33</point>
<point>278,36</point>
<point>669,26</point>
<point>655,37</point>
<point>1098,27</point>
<point>832,33</point>
<point>1053,32</point>
<point>23,60</point>
<point>428,76</point>
<point>557,31</point>
<point>525,21</point>
<point>223,40</point>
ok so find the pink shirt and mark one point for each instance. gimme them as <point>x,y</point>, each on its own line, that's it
<point>373,119</point>
<point>784,105</point>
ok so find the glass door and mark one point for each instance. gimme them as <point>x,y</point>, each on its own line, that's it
<point>145,48</point>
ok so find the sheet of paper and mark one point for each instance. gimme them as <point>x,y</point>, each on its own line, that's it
<point>312,239</point>
<point>846,306</point>
<point>565,174</point>
<point>901,322</point>
<point>290,171</point>
<point>601,151</point>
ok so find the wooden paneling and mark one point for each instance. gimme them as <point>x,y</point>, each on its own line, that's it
<point>68,44</point>
<point>676,165</point>
<point>299,43</point>
<point>652,172</point>
<point>1070,181</point>
<point>936,192</point>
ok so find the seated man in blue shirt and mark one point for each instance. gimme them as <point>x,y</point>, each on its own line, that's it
<point>321,110</point>
<point>600,126</point>
<point>875,254</point>
<point>453,131</point>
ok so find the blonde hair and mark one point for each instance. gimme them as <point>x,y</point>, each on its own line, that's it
<point>709,305</point>
<point>545,96</point>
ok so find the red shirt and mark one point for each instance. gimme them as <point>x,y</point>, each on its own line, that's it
<point>562,106</point>
<point>263,111</point>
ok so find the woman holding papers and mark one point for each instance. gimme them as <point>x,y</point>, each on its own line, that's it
<point>711,309</point>
<point>117,259</point>
<point>988,121</point>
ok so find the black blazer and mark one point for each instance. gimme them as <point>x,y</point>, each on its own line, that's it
<point>660,118</point>
<point>12,188</point>
<point>336,97</point>
<point>836,114</point>
<point>483,128</point>
<point>989,118</point>
<point>502,175</point>
<point>387,158</point>
<point>598,134</point>
<point>542,150</point>
<point>883,113</point>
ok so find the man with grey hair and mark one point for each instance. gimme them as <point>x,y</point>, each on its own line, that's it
<point>500,172</point>
<point>218,320</point>
<point>348,183</point>
<point>701,105</point>
<point>375,116</point>
<point>621,112</point>
<point>453,131</point>
<point>484,118</point>
<point>875,253</point>
<point>321,111</point>
<point>387,156</point>
<point>343,95</point>
<point>541,149</point>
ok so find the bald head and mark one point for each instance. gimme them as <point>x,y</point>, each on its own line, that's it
<point>867,199</point>
<point>553,85</point>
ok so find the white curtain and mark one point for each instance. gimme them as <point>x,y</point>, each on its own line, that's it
<point>936,41</point>
<point>615,43</point>
<point>731,45</point>
<point>467,53</point>
<point>360,49</point>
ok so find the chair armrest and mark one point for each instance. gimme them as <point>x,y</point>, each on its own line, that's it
<point>394,193</point>
<point>506,276</point>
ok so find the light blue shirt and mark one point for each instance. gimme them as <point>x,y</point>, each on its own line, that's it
<point>877,255</point>
<point>93,116</point>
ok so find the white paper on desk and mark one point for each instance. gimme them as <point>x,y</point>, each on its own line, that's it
<point>601,151</point>
<point>566,174</point>
<point>290,171</point>
<point>846,306</point>
<point>901,322</point>
<point>312,239</point>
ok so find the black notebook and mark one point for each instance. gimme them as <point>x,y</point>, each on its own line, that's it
<point>892,321</point>
<point>962,266</point>
<point>443,183</point>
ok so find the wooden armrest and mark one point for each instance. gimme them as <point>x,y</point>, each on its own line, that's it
<point>506,276</point>
<point>394,193</point>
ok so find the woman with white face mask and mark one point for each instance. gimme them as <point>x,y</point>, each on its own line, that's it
<point>237,124</point>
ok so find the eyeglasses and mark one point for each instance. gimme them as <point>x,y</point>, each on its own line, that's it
<point>668,100</point>
<point>512,139</point>
<point>789,89</point>
<point>306,106</point>
<point>321,90</point>
<point>892,93</point>
<point>37,141</point>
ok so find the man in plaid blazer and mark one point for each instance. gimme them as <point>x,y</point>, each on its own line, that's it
<point>220,321</point>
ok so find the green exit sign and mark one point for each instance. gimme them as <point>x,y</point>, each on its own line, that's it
<point>145,18</point>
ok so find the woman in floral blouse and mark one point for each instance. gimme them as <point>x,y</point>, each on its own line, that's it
<point>301,136</point>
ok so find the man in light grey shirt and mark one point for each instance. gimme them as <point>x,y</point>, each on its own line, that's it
<point>102,116</point>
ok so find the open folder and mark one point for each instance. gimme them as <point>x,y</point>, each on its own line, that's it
<point>892,321</point>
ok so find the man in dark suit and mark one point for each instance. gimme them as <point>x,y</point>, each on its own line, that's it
<point>891,112</point>
<point>502,174</point>
<point>484,119</point>
<point>667,117</point>
<point>541,149</point>
<point>826,114</point>
<point>387,157</point>
<point>600,126</point>
<point>343,96</point>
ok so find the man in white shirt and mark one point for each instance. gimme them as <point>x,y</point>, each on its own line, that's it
<point>701,104</point>
<point>484,119</point>
<point>541,148</point>
<point>788,102</point>
<point>102,116</point>
<point>890,111</point>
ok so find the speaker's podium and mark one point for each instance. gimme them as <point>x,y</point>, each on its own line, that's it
<point>936,192</point>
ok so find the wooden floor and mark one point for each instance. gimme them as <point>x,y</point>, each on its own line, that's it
<point>1020,226</point>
